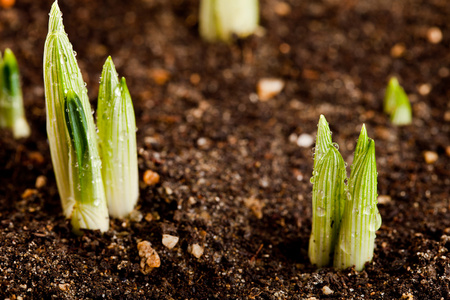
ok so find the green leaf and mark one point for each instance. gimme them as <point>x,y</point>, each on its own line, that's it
<point>401,115</point>
<point>76,125</point>
<point>117,133</point>
<point>328,206</point>
<point>361,217</point>
<point>10,76</point>
<point>80,185</point>
<point>390,95</point>
<point>12,114</point>
<point>323,140</point>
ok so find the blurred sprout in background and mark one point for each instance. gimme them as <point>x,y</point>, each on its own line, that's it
<point>12,114</point>
<point>396,103</point>
<point>219,20</point>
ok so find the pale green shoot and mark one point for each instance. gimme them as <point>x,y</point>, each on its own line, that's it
<point>86,207</point>
<point>361,218</point>
<point>12,113</point>
<point>396,103</point>
<point>89,211</point>
<point>220,19</point>
<point>117,134</point>
<point>328,206</point>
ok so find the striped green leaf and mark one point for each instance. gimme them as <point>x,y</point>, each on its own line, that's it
<point>361,217</point>
<point>82,202</point>
<point>328,206</point>
<point>117,134</point>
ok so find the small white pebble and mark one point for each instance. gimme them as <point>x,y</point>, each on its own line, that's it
<point>327,291</point>
<point>41,181</point>
<point>305,140</point>
<point>282,8</point>
<point>196,250</point>
<point>136,216</point>
<point>293,138</point>
<point>424,89</point>
<point>384,199</point>
<point>169,240</point>
<point>434,35</point>
<point>269,87</point>
<point>430,157</point>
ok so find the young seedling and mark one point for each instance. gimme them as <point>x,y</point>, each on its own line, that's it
<point>396,103</point>
<point>361,218</point>
<point>327,199</point>
<point>71,133</point>
<point>117,137</point>
<point>12,113</point>
<point>220,19</point>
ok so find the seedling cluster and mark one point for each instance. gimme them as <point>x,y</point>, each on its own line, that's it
<point>86,188</point>
<point>345,216</point>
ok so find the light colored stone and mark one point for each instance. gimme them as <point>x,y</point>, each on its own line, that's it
<point>149,257</point>
<point>434,35</point>
<point>424,89</point>
<point>430,157</point>
<point>196,250</point>
<point>267,88</point>
<point>398,50</point>
<point>327,291</point>
<point>41,181</point>
<point>282,8</point>
<point>384,199</point>
<point>169,240</point>
<point>255,205</point>
<point>305,140</point>
<point>150,177</point>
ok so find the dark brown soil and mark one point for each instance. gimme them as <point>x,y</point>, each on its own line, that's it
<point>215,146</point>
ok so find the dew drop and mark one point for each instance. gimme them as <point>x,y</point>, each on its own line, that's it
<point>320,211</point>
<point>96,202</point>
<point>367,209</point>
<point>349,196</point>
<point>335,145</point>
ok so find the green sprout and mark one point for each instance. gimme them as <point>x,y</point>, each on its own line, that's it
<point>328,203</point>
<point>345,219</point>
<point>396,103</point>
<point>361,218</point>
<point>117,137</point>
<point>12,113</point>
<point>220,19</point>
<point>71,133</point>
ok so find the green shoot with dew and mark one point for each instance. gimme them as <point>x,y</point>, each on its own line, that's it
<point>12,114</point>
<point>361,218</point>
<point>345,218</point>
<point>220,19</point>
<point>117,137</point>
<point>68,113</point>
<point>328,203</point>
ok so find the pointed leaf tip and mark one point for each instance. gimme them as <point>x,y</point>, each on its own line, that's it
<point>55,23</point>
<point>323,139</point>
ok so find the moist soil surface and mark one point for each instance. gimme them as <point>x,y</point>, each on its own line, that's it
<point>233,179</point>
